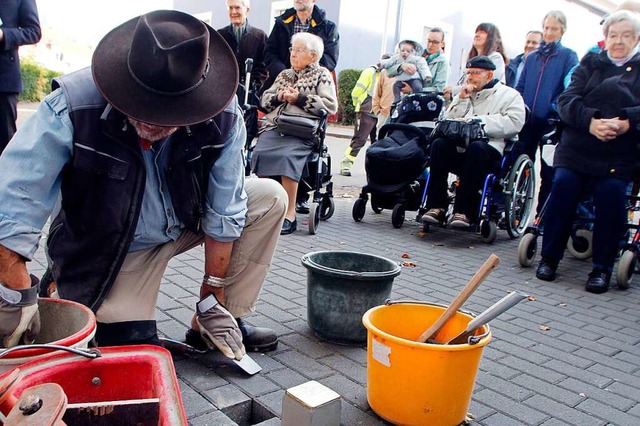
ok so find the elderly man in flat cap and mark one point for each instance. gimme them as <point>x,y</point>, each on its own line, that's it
<point>500,110</point>
<point>144,150</point>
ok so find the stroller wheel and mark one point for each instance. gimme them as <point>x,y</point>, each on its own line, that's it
<point>375,207</point>
<point>314,217</point>
<point>358,210</point>
<point>397,216</point>
<point>626,268</point>
<point>580,245</point>
<point>327,207</point>
<point>527,249</point>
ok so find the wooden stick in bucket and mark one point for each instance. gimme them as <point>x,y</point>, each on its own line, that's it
<point>489,265</point>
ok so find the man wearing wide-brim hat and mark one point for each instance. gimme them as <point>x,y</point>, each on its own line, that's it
<point>144,152</point>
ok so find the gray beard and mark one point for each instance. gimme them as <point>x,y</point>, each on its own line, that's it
<point>152,137</point>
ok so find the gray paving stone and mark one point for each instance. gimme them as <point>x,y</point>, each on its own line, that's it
<point>511,408</point>
<point>194,403</point>
<point>273,401</point>
<point>349,390</point>
<point>215,418</point>
<point>227,396</point>
<point>608,413</point>
<point>304,365</point>
<point>198,376</point>
<point>547,389</point>
<point>602,395</point>
<point>570,415</point>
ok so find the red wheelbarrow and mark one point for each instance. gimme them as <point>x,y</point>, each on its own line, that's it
<point>113,385</point>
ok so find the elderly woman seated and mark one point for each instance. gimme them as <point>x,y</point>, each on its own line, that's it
<point>305,87</point>
<point>599,149</point>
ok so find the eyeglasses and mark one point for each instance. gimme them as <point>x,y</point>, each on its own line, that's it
<point>298,50</point>
<point>475,72</point>
<point>434,41</point>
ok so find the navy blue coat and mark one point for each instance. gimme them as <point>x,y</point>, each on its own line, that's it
<point>20,25</point>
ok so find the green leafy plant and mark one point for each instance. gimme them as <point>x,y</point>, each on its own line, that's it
<point>347,79</point>
<point>36,80</point>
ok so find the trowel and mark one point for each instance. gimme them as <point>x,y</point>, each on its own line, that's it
<point>504,304</point>
<point>246,363</point>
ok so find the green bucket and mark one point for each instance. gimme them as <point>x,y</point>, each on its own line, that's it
<point>341,287</point>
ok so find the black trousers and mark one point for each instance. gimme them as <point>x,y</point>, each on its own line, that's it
<point>8,117</point>
<point>472,168</point>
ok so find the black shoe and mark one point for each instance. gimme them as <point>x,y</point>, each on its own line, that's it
<point>302,207</point>
<point>255,339</point>
<point>547,269</point>
<point>289,227</point>
<point>598,281</point>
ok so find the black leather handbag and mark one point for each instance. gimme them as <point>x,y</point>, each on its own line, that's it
<point>298,124</point>
<point>462,132</point>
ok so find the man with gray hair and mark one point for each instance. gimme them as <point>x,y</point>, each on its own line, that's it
<point>245,40</point>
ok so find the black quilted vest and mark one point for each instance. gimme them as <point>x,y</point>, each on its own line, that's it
<point>103,186</point>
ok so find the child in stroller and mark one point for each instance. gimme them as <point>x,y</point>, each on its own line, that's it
<point>396,163</point>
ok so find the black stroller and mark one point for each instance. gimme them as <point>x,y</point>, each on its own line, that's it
<point>395,164</point>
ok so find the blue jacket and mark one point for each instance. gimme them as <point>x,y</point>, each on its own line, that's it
<point>511,72</point>
<point>20,25</point>
<point>542,79</point>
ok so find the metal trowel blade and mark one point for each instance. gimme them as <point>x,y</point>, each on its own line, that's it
<point>248,365</point>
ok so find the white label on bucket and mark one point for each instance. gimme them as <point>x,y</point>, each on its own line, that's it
<point>381,353</point>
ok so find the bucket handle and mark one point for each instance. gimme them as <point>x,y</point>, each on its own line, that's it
<point>87,353</point>
<point>473,340</point>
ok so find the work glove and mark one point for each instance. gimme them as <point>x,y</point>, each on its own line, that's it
<point>19,316</point>
<point>219,328</point>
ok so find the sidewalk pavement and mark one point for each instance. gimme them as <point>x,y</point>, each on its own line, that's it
<point>567,358</point>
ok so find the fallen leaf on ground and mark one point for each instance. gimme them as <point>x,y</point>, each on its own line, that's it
<point>562,305</point>
<point>405,256</point>
<point>421,234</point>
<point>531,298</point>
<point>582,394</point>
<point>545,327</point>
<point>408,264</point>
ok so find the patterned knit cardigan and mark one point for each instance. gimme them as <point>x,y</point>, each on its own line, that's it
<point>316,88</point>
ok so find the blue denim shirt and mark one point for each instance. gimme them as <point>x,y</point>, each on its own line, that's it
<point>30,179</point>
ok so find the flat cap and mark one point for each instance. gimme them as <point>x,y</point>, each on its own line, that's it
<point>482,62</point>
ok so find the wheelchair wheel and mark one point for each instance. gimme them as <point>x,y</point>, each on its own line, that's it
<point>527,249</point>
<point>397,216</point>
<point>488,231</point>
<point>359,207</point>
<point>327,207</point>
<point>519,196</point>
<point>581,246</point>
<point>314,217</point>
<point>626,267</point>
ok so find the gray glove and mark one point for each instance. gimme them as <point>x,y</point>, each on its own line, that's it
<point>219,328</point>
<point>19,316</point>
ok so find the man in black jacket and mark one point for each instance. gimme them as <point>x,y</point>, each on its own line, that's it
<point>304,16</point>
<point>19,25</point>
<point>245,41</point>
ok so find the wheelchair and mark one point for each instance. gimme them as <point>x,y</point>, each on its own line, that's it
<point>507,198</point>
<point>316,177</point>
<point>248,98</point>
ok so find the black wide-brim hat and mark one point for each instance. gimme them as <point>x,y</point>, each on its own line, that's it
<point>165,68</point>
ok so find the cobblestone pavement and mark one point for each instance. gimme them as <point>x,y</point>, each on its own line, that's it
<point>567,358</point>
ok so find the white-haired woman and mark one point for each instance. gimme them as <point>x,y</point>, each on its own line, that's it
<point>308,87</point>
<point>599,149</point>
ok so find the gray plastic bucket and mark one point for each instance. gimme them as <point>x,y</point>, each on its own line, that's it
<point>341,287</point>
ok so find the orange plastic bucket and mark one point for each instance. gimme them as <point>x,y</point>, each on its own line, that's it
<point>411,383</point>
<point>63,323</point>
